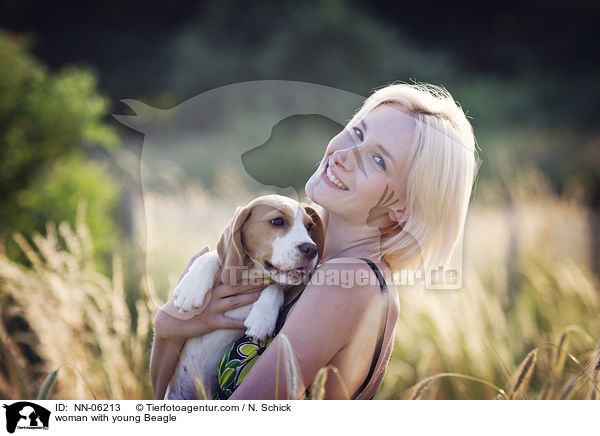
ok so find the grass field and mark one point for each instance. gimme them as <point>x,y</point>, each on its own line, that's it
<point>524,325</point>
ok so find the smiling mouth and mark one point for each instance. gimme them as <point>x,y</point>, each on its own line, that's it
<point>289,276</point>
<point>332,179</point>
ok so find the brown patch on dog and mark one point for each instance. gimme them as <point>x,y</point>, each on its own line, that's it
<point>317,232</point>
<point>250,234</point>
<point>259,233</point>
<point>230,249</point>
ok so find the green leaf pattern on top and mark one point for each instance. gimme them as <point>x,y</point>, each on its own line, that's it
<point>236,363</point>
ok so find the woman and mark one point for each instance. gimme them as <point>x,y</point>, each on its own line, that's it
<point>395,186</point>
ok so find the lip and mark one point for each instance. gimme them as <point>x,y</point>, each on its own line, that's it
<point>329,182</point>
<point>300,270</point>
<point>291,276</point>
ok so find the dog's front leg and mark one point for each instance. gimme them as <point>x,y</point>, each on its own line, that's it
<point>262,318</point>
<point>190,292</point>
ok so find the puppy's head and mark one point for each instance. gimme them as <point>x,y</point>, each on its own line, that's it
<point>275,234</point>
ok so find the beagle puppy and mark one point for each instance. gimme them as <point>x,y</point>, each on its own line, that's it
<point>273,237</point>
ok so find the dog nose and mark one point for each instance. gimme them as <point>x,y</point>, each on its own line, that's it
<point>308,249</point>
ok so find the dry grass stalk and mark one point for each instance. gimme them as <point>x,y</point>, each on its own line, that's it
<point>14,385</point>
<point>499,390</point>
<point>419,390</point>
<point>558,359</point>
<point>594,394</point>
<point>526,369</point>
<point>595,373</point>
<point>50,381</point>
<point>318,386</point>
<point>584,371</point>
<point>568,388</point>
<point>293,382</point>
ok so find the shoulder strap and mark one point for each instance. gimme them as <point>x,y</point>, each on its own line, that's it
<point>379,347</point>
<point>284,312</point>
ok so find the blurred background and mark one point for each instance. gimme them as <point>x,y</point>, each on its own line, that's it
<point>75,294</point>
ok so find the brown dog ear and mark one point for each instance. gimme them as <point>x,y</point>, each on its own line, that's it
<point>230,249</point>
<point>317,233</point>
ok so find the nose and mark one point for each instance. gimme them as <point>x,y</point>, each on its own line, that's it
<point>308,249</point>
<point>340,159</point>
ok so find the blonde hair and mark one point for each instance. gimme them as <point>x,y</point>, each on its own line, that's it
<point>443,165</point>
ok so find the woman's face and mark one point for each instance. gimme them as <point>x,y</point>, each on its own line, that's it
<point>361,161</point>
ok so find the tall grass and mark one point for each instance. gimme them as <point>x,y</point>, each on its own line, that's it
<point>524,325</point>
<point>74,315</point>
<point>527,281</point>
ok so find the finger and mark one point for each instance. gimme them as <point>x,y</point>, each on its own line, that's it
<point>229,303</point>
<point>225,322</point>
<point>221,291</point>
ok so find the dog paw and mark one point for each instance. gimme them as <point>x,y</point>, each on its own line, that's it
<point>260,324</point>
<point>188,296</point>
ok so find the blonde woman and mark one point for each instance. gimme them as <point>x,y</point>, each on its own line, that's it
<point>394,186</point>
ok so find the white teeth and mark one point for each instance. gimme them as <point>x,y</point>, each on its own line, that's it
<point>335,180</point>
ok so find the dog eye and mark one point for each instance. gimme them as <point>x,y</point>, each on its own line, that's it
<point>309,226</point>
<point>277,222</point>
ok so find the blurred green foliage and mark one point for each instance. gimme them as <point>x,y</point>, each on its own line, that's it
<point>60,189</point>
<point>47,120</point>
<point>331,43</point>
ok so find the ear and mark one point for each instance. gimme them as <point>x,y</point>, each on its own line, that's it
<point>399,216</point>
<point>317,233</point>
<point>230,250</point>
<point>144,115</point>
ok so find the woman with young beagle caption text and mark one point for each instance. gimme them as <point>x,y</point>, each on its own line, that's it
<point>395,186</point>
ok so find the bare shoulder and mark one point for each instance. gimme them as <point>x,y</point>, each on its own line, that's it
<point>340,296</point>
<point>344,261</point>
<point>349,279</point>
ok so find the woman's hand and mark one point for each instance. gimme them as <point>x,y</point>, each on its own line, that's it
<point>211,317</point>
<point>171,329</point>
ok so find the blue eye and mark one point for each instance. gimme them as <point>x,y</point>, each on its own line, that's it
<point>379,161</point>
<point>358,133</point>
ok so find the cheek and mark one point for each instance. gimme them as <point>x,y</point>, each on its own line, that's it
<point>370,190</point>
<point>257,240</point>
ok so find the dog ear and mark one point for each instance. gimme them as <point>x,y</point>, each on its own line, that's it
<point>317,233</point>
<point>230,249</point>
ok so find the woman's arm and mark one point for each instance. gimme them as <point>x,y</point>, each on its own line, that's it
<point>322,322</point>
<point>170,333</point>
<point>163,359</point>
<point>171,330</point>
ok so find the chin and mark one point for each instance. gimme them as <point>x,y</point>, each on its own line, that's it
<point>321,194</point>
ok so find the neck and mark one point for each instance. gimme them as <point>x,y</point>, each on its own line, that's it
<point>345,238</point>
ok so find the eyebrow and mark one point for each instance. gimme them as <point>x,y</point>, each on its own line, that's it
<point>363,123</point>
